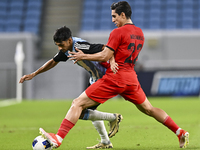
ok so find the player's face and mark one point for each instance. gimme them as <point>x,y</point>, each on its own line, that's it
<point>117,19</point>
<point>64,45</point>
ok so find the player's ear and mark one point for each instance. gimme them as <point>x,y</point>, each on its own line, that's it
<point>70,40</point>
<point>123,15</point>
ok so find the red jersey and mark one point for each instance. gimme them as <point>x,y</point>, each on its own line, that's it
<point>126,42</point>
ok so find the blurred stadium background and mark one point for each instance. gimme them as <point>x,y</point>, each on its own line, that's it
<point>168,65</point>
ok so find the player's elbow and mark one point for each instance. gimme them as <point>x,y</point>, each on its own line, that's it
<point>105,57</point>
<point>106,54</point>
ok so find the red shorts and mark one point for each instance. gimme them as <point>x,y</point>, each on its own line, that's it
<point>104,89</point>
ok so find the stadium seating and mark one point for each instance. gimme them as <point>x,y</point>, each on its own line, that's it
<point>20,15</point>
<point>147,14</point>
<point>88,21</point>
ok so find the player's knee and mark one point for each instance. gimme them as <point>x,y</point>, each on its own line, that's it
<point>78,103</point>
<point>75,104</point>
<point>149,111</point>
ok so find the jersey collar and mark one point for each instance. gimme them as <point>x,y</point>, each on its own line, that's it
<point>129,24</point>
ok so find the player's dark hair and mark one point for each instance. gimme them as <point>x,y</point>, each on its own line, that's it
<point>122,6</point>
<point>62,34</point>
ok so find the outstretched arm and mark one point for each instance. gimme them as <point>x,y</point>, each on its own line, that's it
<point>48,65</point>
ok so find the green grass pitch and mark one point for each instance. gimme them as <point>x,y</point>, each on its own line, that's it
<point>19,125</point>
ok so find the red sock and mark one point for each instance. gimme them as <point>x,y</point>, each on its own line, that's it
<point>171,124</point>
<point>65,126</point>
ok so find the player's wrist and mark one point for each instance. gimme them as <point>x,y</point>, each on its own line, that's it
<point>34,74</point>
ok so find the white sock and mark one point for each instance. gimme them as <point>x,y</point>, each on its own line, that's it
<point>100,127</point>
<point>59,138</point>
<point>178,131</point>
<point>97,115</point>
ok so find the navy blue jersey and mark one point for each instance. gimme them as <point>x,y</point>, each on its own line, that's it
<point>95,69</point>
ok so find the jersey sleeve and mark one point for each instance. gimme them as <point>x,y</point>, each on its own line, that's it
<point>114,40</point>
<point>60,56</point>
<point>88,48</point>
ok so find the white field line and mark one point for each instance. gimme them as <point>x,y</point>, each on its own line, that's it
<point>8,102</point>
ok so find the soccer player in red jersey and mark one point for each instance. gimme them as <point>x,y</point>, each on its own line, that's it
<point>66,42</point>
<point>124,43</point>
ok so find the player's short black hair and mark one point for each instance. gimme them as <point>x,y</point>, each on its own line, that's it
<point>62,34</point>
<point>122,6</point>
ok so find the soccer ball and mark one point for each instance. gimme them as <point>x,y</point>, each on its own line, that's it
<point>40,143</point>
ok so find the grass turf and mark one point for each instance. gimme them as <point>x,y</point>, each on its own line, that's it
<point>19,125</point>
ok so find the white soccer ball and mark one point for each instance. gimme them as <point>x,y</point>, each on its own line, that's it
<point>40,143</point>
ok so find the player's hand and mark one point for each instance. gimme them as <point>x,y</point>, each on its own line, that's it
<point>114,67</point>
<point>76,55</point>
<point>26,77</point>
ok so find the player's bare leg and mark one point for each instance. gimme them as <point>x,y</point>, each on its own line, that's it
<point>79,102</point>
<point>72,116</point>
<point>162,117</point>
<point>148,109</point>
<point>78,105</point>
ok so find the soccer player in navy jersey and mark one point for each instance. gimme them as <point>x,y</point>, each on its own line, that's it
<point>124,43</point>
<point>66,43</point>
